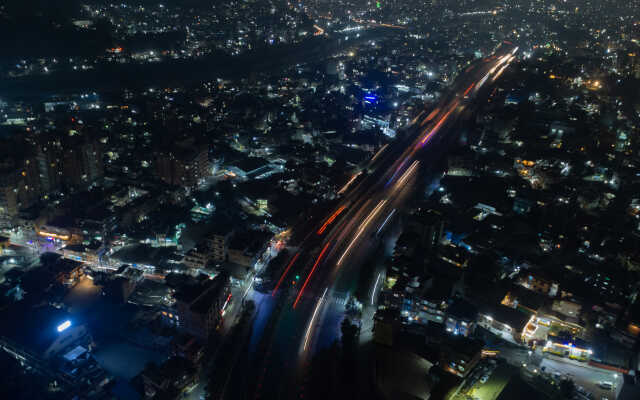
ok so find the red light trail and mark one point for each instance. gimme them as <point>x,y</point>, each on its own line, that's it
<point>304,285</point>
<point>431,115</point>
<point>331,219</point>
<point>466,92</point>
<point>293,260</point>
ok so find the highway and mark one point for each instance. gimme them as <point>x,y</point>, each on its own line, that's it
<point>328,259</point>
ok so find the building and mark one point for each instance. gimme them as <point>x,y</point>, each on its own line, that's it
<point>82,164</point>
<point>80,252</point>
<point>19,187</point>
<point>40,332</point>
<point>169,380</point>
<point>200,306</point>
<point>459,355</point>
<point>213,248</point>
<point>457,256</point>
<point>183,165</point>
<point>245,248</point>
<point>189,347</point>
<point>538,282</point>
<point>566,345</point>
<point>73,160</point>
<point>67,272</point>
<point>218,240</point>
<point>461,318</point>
<point>504,321</point>
<point>429,225</point>
<point>198,257</point>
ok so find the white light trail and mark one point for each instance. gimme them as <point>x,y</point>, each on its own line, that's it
<point>482,81</point>
<point>346,186</point>
<point>361,229</point>
<point>385,221</point>
<point>500,72</point>
<point>315,312</point>
<point>249,288</point>
<point>373,294</point>
<point>379,152</point>
<point>407,173</point>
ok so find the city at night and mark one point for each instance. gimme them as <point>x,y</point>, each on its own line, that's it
<point>320,200</point>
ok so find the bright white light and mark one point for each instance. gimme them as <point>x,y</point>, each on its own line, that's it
<point>66,324</point>
<point>313,318</point>
<point>374,288</point>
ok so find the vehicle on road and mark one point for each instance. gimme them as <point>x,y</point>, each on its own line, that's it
<point>606,385</point>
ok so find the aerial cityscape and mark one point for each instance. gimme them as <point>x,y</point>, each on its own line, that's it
<point>320,199</point>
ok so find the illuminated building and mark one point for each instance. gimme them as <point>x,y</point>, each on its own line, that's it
<point>184,165</point>
<point>200,306</point>
<point>245,248</point>
<point>459,355</point>
<point>461,318</point>
<point>504,321</point>
<point>568,346</point>
<point>47,332</point>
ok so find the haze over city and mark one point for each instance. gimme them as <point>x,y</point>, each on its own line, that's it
<point>323,199</point>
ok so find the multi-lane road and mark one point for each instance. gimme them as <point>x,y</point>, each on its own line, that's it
<point>328,258</point>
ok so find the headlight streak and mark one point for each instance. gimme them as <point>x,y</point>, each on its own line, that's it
<point>373,294</point>
<point>313,318</point>
<point>361,229</point>
<point>385,220</point>
<point>346,186</point>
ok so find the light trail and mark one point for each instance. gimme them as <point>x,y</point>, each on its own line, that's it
<point>361,229</point>
<point>482,81</point>
<point>466,92</point>
<point>413,121</point>
<point>319,31</point>
<point>293,260</point>
<point>386,220</point>
<point>315,312</point>
<point>438,125</point>
<point>396,172</point>
<point>324,250</point>
<point>379,152</point>
<point>373,294</point>
<point>346,186</point>
<point>500,72</point>
<point>407,173</point>
<point>431,116</point>
<point>330,220</point>
<point>224,306</point>
<point>501,61</point>
<point>248,288</point>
